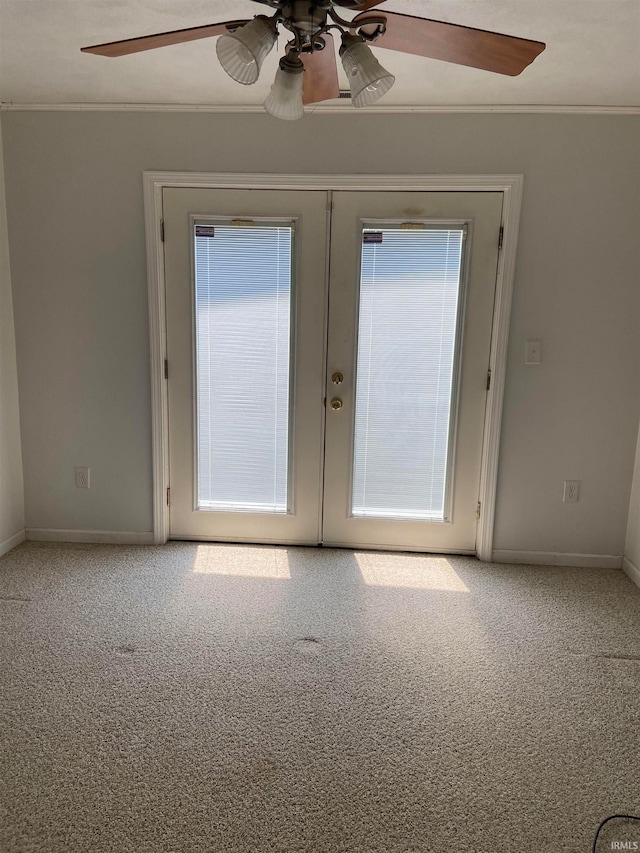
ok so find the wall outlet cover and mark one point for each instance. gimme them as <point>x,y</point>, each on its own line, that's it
<point>83,478</point>
<point>533,352</point>
<point>571,493</point>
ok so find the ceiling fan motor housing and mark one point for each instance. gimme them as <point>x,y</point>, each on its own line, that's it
<point>308,17</point>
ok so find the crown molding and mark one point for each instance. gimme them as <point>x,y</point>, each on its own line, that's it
<point>545,109</point>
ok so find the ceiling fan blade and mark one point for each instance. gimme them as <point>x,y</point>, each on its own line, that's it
<point>135,45</point>
<point>320,80</point>
<point>454,43</point>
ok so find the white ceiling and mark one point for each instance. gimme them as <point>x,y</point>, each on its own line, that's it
<point>592,56</point>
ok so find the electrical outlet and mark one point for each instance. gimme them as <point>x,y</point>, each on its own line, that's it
<point>571,491</point>
<point>82,478</point>
<point>533,352</point>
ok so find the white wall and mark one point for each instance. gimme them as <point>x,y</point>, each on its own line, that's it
<point>631,563</point>
<point>11,485</point>
<point>74,198</point>
<point>632,545</point>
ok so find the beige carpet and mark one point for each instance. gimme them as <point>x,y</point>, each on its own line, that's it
<point>220,698</point>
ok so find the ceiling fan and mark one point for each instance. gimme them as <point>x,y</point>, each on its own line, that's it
<point>244,44</point>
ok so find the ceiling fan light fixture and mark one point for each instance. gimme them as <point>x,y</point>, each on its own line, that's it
<point>285,99</point>
<point>242,53</point>
<point>368,80</point>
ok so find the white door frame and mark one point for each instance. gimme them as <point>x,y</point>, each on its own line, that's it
<point>511,188</point>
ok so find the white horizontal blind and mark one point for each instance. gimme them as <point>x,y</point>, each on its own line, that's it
<point>409,304</point>
<point>242,321</point>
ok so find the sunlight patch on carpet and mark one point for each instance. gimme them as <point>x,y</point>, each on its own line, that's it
<point>409,571</point>
<point>247,561</point>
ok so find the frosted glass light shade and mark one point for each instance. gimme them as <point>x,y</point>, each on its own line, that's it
<point>242,53</point>
<point>285,98</point>
<point>368,80</point>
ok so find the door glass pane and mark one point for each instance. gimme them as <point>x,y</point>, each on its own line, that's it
<point>242,322</point>
<point>405,380</point>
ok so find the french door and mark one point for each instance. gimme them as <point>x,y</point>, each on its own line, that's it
<point>328,358</point>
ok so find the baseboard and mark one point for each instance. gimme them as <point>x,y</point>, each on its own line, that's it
<point>98,537</point>
<point>558,558</point>
<point>10,543</point>
<point>631,570</point>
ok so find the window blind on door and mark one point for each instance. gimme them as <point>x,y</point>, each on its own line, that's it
<point>242,342</point>
<point>408,318</point>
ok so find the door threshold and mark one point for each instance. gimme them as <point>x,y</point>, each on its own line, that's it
<point>350,546</point>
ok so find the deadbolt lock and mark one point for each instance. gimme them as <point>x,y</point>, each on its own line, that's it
<point>337,379</point>
<point>336,404</point>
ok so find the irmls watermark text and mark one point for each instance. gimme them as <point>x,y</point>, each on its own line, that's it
<point>625,845</point>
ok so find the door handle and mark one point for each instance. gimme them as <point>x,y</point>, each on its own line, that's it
<point>336,404</point>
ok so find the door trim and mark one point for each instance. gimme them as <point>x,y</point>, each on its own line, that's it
<point>511,188</point>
